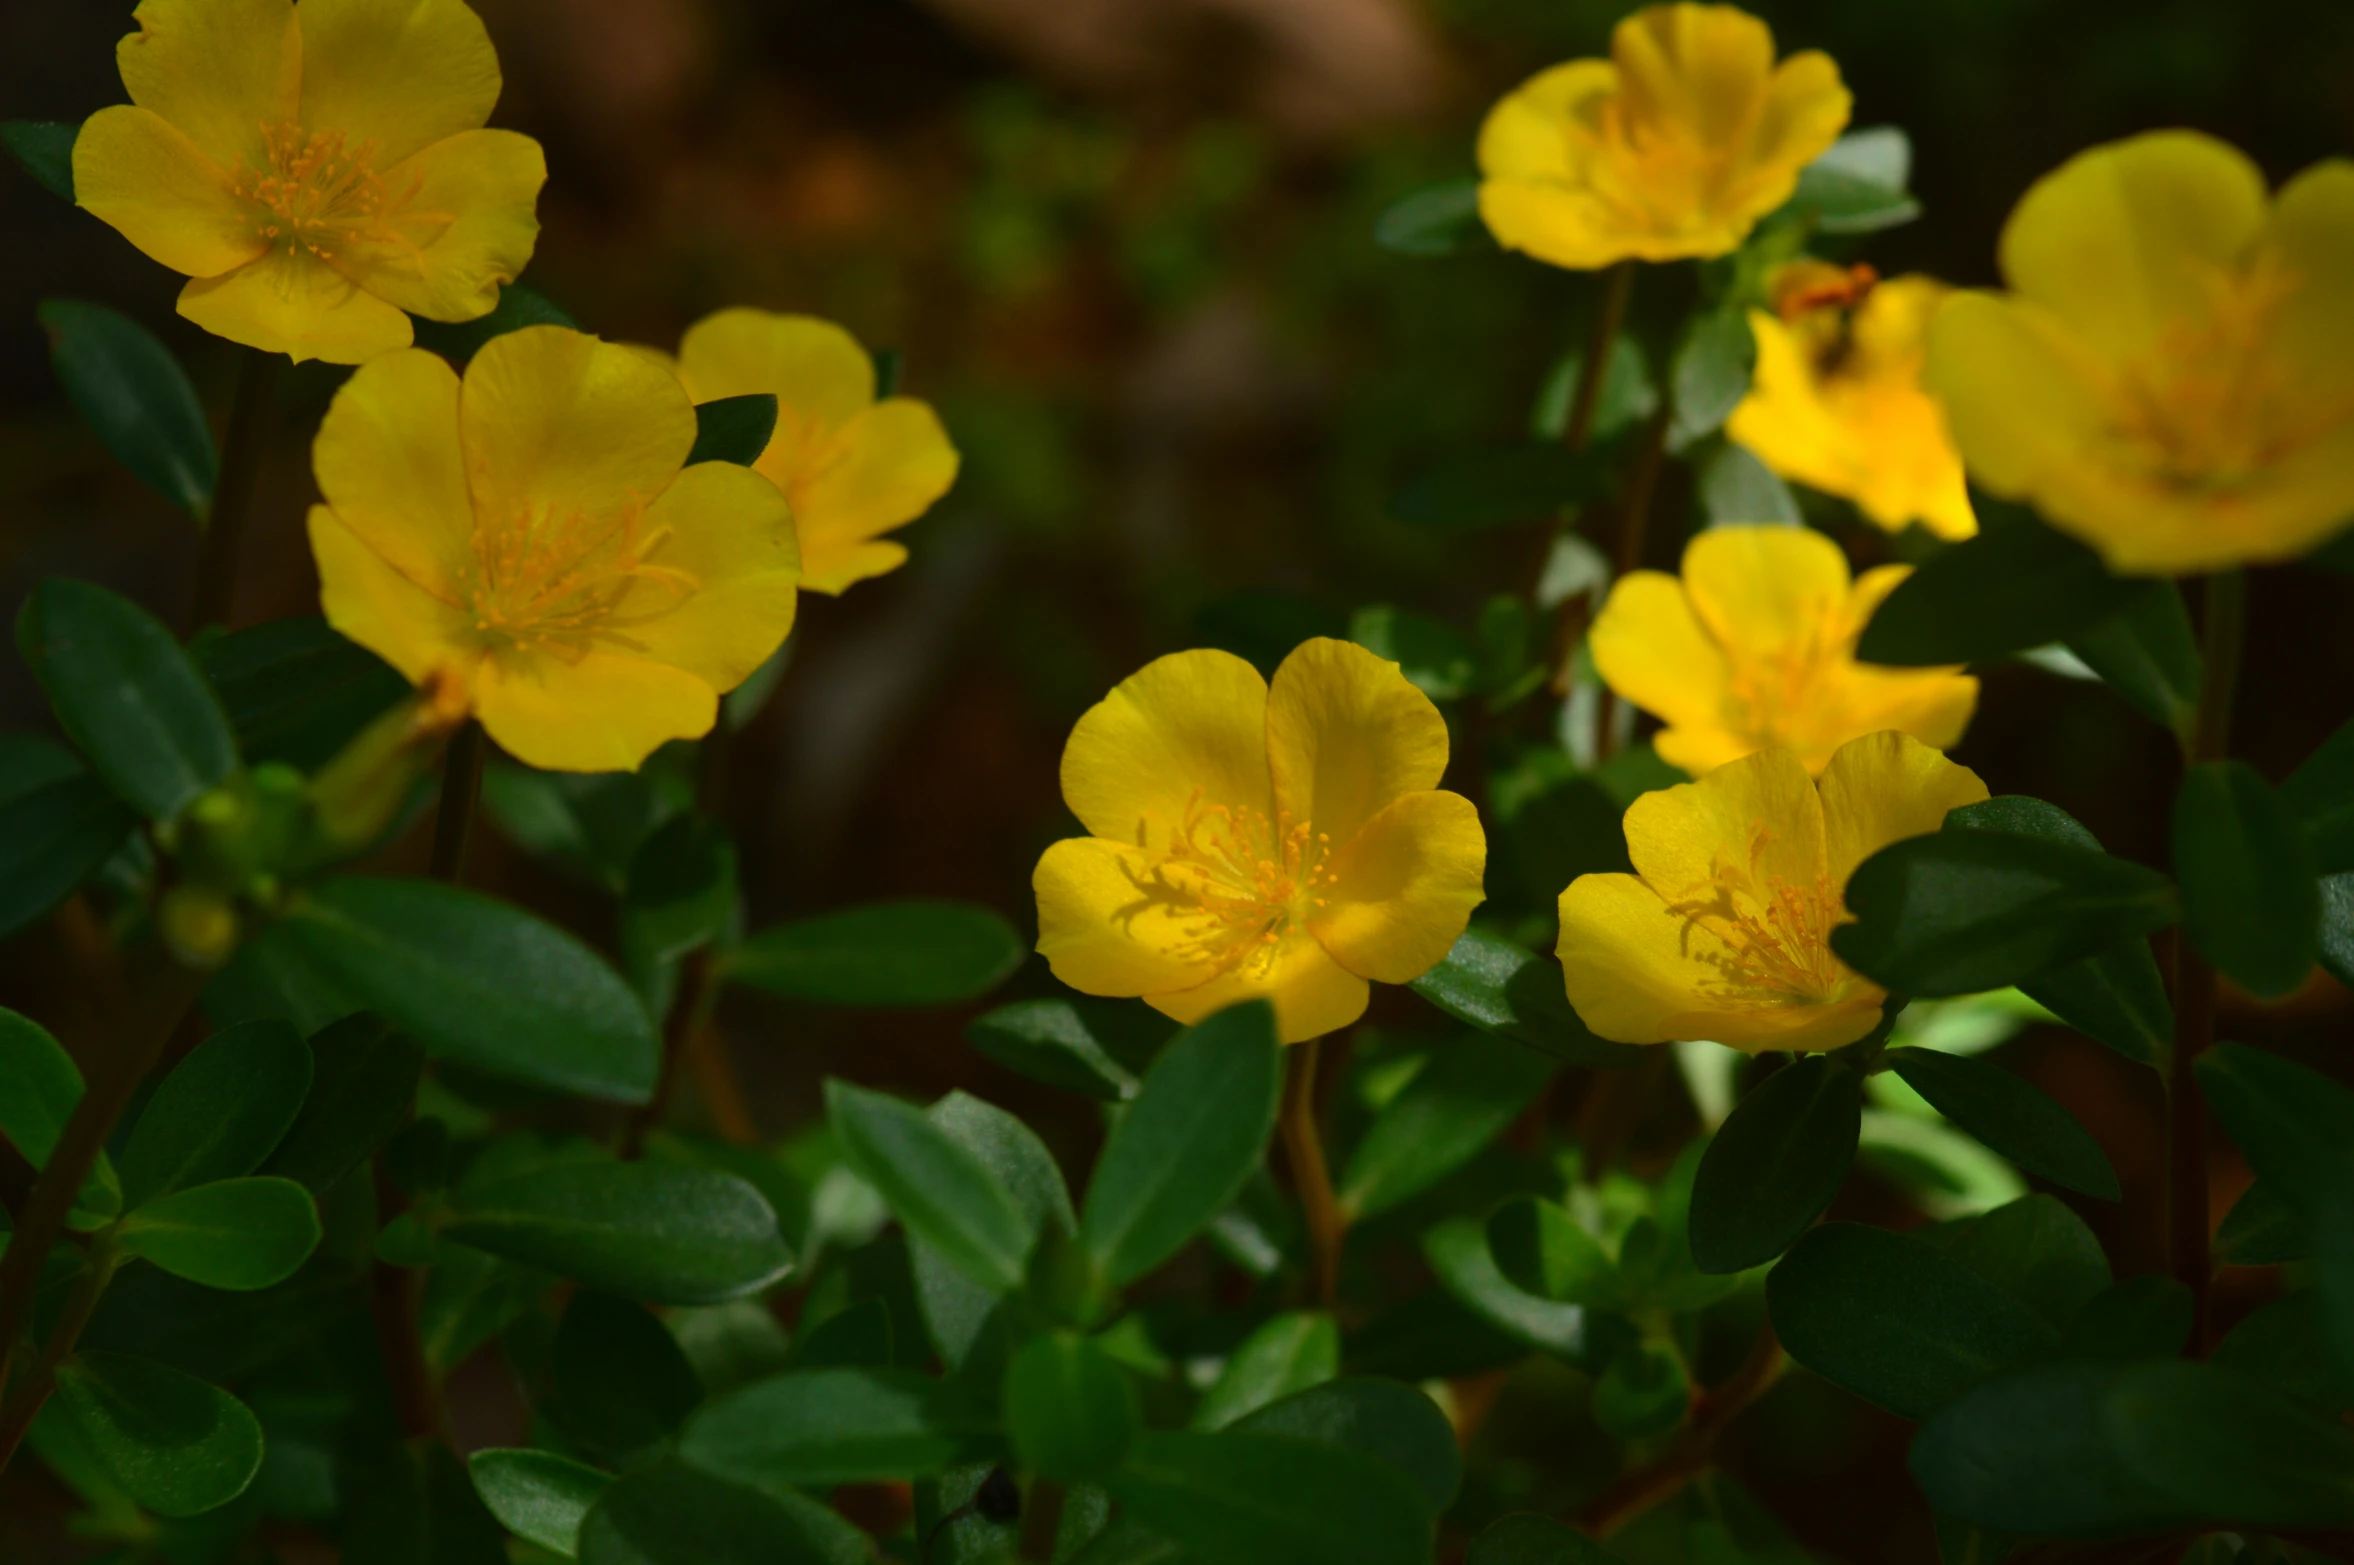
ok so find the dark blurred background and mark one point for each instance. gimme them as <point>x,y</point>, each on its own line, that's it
<point>1125,247</point>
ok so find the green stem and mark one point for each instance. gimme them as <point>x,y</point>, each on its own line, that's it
<point>2188,1224</point>
<point>393,1304</point>
<point>1618,284</point>
<point>1042,1520</point>
<point>1634,530</point>
<point>233,491</point>
<point>453,820</point>
<point>1303,1146</point>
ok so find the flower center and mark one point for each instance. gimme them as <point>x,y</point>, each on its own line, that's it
<point>1245,883</point>
<point>556,581</point>
<point>319,193</point>
<point>1777,936</point>
<point>1774,692</point>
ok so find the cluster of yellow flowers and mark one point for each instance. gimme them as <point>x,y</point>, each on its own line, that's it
<point>529,534</point>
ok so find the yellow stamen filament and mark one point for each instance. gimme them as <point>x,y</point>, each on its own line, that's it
<point>557,581</point>
<point>323,195</point>
<point>1245,884</point>
<point>1777,935</point>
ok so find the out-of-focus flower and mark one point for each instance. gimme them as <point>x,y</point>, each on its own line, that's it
<point>1674,146</point>
<point>315,172</point>
<point>1287,843</point>
<point>529,532</point>
<point>1753,648</point>
<point>853,468</point>
<point>1837,401</point>
<point>2171,376</point>
<point>1724,930</point>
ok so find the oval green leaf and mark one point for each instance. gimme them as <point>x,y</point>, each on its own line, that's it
<point>364,1080</point>
<point>1473,1089</point>
<point>538,1496</point>
<point>668,1514</point>
<point>1257,1499</point>
<point>1439,219</point>
<point>886,954</point>
<point>220,1112</point>
<point>659,1232</point>
<point>235,1234</point>
<point>177,1445</point>
<point>1287,1354</point>
<point>1069,1410</point>
<point>2146,652</point>
<point>1096,1047</point>
<point>2011,1116</point>
<point>2017,585</point>
<point>296,691</point>
<point>54,834</point>
<point>820,1427</point>
<point>133,393</point>
<point>2250,901</point>
<point>45,150</point>
<point>946,1196</point>
<point>1500,987</point>
<point>734,429</point>
<point>619,1385</point>
<point>2293,1123</point>
<point>39,1090</point>
<point>1775,1164</point>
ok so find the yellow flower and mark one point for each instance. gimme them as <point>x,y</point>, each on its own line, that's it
<point>1837,401</point>
<point>1753,648</point>
<point>315,172</point>
<point>529,532</point>
<point>2171,376</point>
<point>853,468</point>
<point>1674,146</point>
<point>1724,930</point>
<point>1286,842</point>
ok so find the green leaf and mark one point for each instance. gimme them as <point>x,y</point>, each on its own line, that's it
<point>475,981</point>
<point>2015,586</point>
<point>2262,1229</point>
<point>2115,996</point>
<point>1472,1090</point>
<point>220,1112</point>
<point>1069,1409</point>
<point>1713,362</point>
<point>1643,1391</point>
<point>680,897</point>
<point>733,429</point>
<point>295,690</point>
<point>2145,1317</point>
<point>669,1514</point>
<point>45,150</point>
<point>364,1080</point>
<point>2146,652</point>
<point>2036,1250</point>
<point>856,1338</point>
<point>413,1504</point>
<point>1957,912</point>
<point>1458,1251</point>
<point>659,1232</point>
<point>518,307</point>
<point>1500,987</point>
<point>1440,219</point>
<point>1197,1129</point>
<point>2293,1123</point>
<point>1436,658</point>
<point>2012,1116</point>
<point>1385,1419</point>
<point>891,954</point>
<point>820,1427</point>
<point>1507,486</point>
<point>177,1445</point>
<point>1857,186</point>
<point>2336,943</point>
<point>236,1234</point>
<point>2089,1450</point>
<point>943,1194</point>
<point>1526,1538</point>
<point>1627,397</point>
<point>56,828</point>
<point>1775,1164</point>
<point>133,393</point>
<point>126,695</point>
<point>2285,1344</point>
<point>2320,793</point>
<point>1289,1353</point>
<point>1737,490</point>
<point>1255,1499</point>
<point>1095,1047</point>
<point>39,1090</point>
<point>618,1384</point>
<point>2249,901</point>
<point>964,1318</point>
<point>590,823</point>
<point>538,1496</point>
<point>1897,1321</point>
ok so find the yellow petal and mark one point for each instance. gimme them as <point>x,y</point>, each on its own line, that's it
<point>288,302</point>
<point>467,230</point>
<point>1525,135</point>
<point>387,459</point>
<point>1883,788</point>
<point>1700,748</point>
<point>1559,225</point>
<point>1347,735</point>
<point>1806,107</point>
<point>811,366</point>
<point>1759,590</point>
<point>729,533</point>
<point>557,422</point>
<point>401,74</point>
<point>1108,925</point>
<point>369,601</point>
<point>895,461</point>
<point>1651,648</point>
<point>1185,731</point>
<point>2311,342</point>
<point>1403,889</point>
<point>1700,67</point>
<point>220,70</point>
<point>2126,238</point>
<point>858,562</point>
<point>1759,815</point>
<point>150,182</point>
<point>1313,994</point>
<point>1783,420</point>
<point>599,714</point>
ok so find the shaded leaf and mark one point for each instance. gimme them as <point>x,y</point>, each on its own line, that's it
<point>1388,1420</point>
<point>364,1080</point>
<point>2249,899</point>
<point>1254,1499</point>
<point>45,150</point>
<point>236,1234</point>
<point>734,429</point>
<point>133,393</point>
<point>659,1232</point>
<point>820,1427</point>
<point>618,1384</point>
<point>538,1496</point>
<point>1440,219</point>
<point>2017,585</point>
<point>1501,987</point>
<point>295,690</point>
<point>883,954</point>
<point>2010,1115</point>
<point>220,1112</point>
<point>1775,1164</point>
<point>177,1445</point>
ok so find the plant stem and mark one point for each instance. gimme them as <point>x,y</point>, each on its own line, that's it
<point>723,1094</point>
<point>453,819</point>
<point>24,1405</point>
<point>2188,1237</point>
<point>164,991</point>
<point>393,1304</point>
<point>1042,1520</point>
<point>690,1015</point>
<point>233,491</point>
<point>1688,1456</point>
<point>1303,1146</point>
<point>1634,527</point>
<point>1618,284</point>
